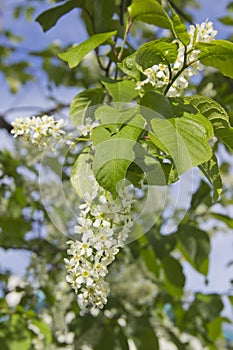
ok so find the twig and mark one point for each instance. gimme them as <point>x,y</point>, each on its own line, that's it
<point>180,12</point>
<point>127,29</point>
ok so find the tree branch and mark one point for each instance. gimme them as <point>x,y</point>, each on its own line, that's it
<point>180,12</point>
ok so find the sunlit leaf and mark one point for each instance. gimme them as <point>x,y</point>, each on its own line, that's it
<point>75,55</point>
<point>149,12</point>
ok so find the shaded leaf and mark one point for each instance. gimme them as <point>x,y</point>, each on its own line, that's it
<point>154,105</point>
<point>49,18</point>
<point>211,170</point>
<point>85,102</point>
<point>227,20</point>
<point>128,66</point>
<point>79,175</point>
<point>194,244</point>
<point>144,335</point>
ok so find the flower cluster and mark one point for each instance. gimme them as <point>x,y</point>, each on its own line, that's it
<point>103,226</point>
<point>185,66</point>
<point>38,129</point>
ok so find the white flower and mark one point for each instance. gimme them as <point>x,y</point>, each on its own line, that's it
<point>13,298</point>
<point>159,75</point>
<point>100,240</point>
<point>87,128</point>
<point>38,129</point>
<point>205,32</point>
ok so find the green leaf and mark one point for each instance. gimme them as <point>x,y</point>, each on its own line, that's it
<point>111,161</point>
<point>154,105</point>
<point>9,226</point>
<point>150,11</point>
<point>185,139</point>
<point>128,66</point>
<point>79,175</point>
<point>175,278</point>
<point>154,52</point>
<point>201,196</point>
<point>194,244</point>
<point>113,117</point>
<point>209,305</point>
<point>230,297</point>
<point>230,6</point>
<point>44,329</point>
<point>113,156</point>
<point>14,334</point>
<point>85,103</point>
<point>49,18</point>
<point>227,20</point>
<point>179,29</point>
<point>100,134</point>
<point>216,115</point>
<point>107,339</point>
<point>74,56</point>
<point>148,255</point>
<point>224,218</point>
<point>218,54</point>
<point>214,327</point>
<point>204,309</point>
<point>144,335</point>
<point>211,171</point>
<point>121,91</point>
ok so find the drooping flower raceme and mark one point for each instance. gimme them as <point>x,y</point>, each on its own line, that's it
<point>187,62</point>
<point>103,226</point>
<point>38,129</point>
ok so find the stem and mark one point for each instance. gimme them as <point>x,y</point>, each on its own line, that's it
<point>180,12</point>
<point>172,80</point>
<point>122,9</point>
<point>127,29</point>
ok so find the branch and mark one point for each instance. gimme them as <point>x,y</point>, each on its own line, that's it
<point>122,10</point>
<point>4,124</point>
<point>180,12</point>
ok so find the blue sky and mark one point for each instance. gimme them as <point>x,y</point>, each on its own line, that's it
<point>70,30</point>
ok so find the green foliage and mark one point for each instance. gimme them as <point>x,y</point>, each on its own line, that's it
<point>49,18</point>
<point>128,66</point>
<point>185,139</point>
<point>121,91</point>
<point>217,54</point>
<point>114,155</point>
<point>154,52</point>
<point>85,102</point>
<point>179,28</point>
<point>211,171</point>
<point>151,12</point>
<point>217,115</point>
<point>144,138</point>
<point>194,244</point>
<point>144,335</point>
<point>74,55</point>
<point>79,174</point>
